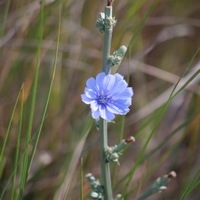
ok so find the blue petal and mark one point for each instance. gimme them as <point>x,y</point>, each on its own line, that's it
<point>85,99</point>
<point>122,102</point>
<point>102,111</point>
<point>94,105</point>
<point>119,107</point>
<point>118,112</point>
<point>129,101</point>
<point>109,115</point>
<point>99,80</point>
<point>119,77</point>
<point>90,93</point>
<point>105,114</point>
<point>127,93</point>
<point>91,83</point>
<point>109,82</point>
<point>113,109</point>
<point>119,86</point>
<point>96,114</point>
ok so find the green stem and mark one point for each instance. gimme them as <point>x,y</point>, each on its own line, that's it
<point>107,42</point>
<point>145,195</point>
<point>105,168</point>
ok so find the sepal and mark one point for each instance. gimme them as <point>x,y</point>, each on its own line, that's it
<point>100,24</point>
<point>117,56</point>
<point>97,191</point>
<point>110,22</point>
<point>104,22</point>
<point>113,153</point>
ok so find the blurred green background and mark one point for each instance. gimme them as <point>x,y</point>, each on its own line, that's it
<point>160,50</point>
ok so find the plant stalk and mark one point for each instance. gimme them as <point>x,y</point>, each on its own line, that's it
<point>107,42</point>
<point>105,168</point>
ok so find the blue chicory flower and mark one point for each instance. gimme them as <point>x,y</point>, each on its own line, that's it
<point>107,95</point>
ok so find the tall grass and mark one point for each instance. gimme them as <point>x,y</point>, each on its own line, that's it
<point>48,142</point>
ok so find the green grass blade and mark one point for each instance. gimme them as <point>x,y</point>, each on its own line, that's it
<point>142,152</point>
<point>133,9</point>
<point>48,95</point>
<point>4,17</point>
<point>15,168</point>
<point>166,139</point>
<point>9,126</point>
<point>197,183</point>
<point>144,126</point>
<point>189,65</point>
<point>139,29</point>
<point>189,187</point>
<point>35,85</point>
<point>17,147</point>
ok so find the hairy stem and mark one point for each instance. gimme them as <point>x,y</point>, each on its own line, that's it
<point>105,169</point>
<point>107,42</point>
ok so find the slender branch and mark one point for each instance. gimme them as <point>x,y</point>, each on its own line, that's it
<point>158,186</point>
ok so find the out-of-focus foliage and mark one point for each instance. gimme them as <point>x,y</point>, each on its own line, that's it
<point>155,60</point>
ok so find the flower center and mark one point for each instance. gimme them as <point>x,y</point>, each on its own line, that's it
<point>103,99</point>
